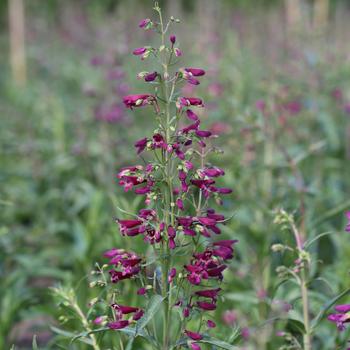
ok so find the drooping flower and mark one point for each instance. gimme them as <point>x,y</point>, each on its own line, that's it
<point>140,100</point>
<point>208,293</point>
<point>189,101</point>
<point>118,324</point>
<point>141,145</point>
<point>150,76</point>
<point>191,115</point>
<point>347,228</point>
<point>342,317</point>
<point>177,52</point>
<point>211,324</point>
<point>141,291</point>
<point>206,306</point>
<point>193,335</point>
<point>196,72</point>
<point>139,51</point>
<point>195,346</point>
<point>172,275</point>
<point>145,23</point>
<point>189,75</point>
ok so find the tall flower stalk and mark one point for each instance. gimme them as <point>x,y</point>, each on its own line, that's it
<point>177,182</point>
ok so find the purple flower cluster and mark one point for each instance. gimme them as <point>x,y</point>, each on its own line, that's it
<point>209,264</point>
<point>126,264</point>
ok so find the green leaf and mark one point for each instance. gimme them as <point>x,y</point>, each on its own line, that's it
<point>316,238</point>
<point>209,340</point>
<point>130,344</point>
<point>152,308</point>
<point>247,298</point>
<point>71,335</point>
<point>221,344</point>
<point>326,307</point>
<point>84,335</point>
<point>333,212</point>
<point>295,325</point>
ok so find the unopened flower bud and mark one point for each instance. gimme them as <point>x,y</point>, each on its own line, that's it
<point>277,247</point>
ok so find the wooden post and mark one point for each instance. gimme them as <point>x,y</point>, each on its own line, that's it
<point>293,15</point>
<point>321,13</point>
<point>17,41</point>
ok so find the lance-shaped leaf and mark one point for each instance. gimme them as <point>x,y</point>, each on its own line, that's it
<point>326,307</point>
<point>152,308</point>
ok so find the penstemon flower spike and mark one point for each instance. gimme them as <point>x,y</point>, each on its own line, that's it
<point>177,185</point>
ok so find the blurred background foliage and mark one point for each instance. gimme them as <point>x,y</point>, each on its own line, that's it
<point>277,92</point>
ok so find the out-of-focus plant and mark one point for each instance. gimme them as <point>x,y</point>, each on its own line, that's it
<point>301,274</point>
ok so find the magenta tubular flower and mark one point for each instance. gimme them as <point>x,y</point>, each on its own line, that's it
<point>211,324</point>
<point>145,23</point>
<point>196,72</point>
<point>139,51</point>
<point>213,172</point>
<point>99,319</point>
<point>118,324</point>
<point>172,39</point>
<point>344,308</point>
<point>141,291</point>
<point>131,101</point>
<point>177,52</point>
<point>186,312</point>
<point>195,346</point>
<point>151,76</point>
<point>124,309</point>
<point>193,335</point>
<point>342,317</point>
<point>172,275</point>
<point>190,101</point>
<point>138,314</point>
<point>203,133</point>
<point>347,228</point>
<point>206,306</point>
<point>141,145</point>
<point>180,204</point>
<point>208,293</point>
<point>191,115</point>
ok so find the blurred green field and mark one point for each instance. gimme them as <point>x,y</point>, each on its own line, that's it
<point>61,148</point>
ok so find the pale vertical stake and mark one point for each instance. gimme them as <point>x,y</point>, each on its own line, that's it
<point>321,13</point>
<point>17,41</point>
<point>293,15</point>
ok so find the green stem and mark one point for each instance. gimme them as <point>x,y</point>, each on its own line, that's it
<point>305,301</point>
<point>169,205</point>
<point>85,323</point>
